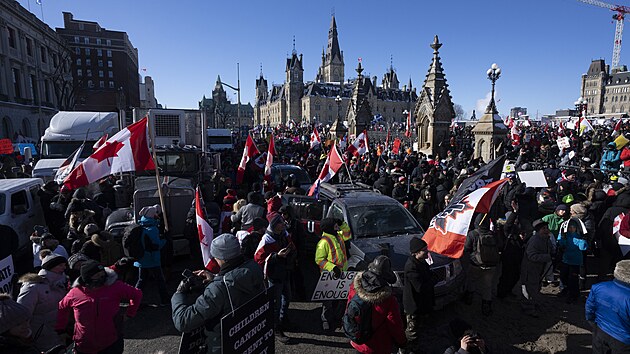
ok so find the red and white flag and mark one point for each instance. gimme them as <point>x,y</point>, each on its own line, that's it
<point>620,231</point>
<point>205,233</point>
<point>453,125</point>
<point>617,129</point>
<point>396,147</point>
<point>99,142</point>
<point>515,135</point>
<point>68,165</point>
<point>331,166</point>
<point>360,145</point>
<point>315,140</point>
<point>509,122</point>
<point>126,151</point>
<point>271,152</point>
<point>447,231</point>
<point>408,125</point>
<point>249,152</point>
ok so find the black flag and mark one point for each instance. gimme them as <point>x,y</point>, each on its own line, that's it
<point>487,174</point>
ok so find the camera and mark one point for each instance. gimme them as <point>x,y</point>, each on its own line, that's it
<point>193,282</point>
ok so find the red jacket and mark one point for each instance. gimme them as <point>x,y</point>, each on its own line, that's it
<point>95,312</point>
<point>387,325</point>
<point>625,156</point>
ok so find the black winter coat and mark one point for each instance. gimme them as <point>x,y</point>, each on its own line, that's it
<point>418,293</point>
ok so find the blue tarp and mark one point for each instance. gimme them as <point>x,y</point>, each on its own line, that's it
<point>21,146</point>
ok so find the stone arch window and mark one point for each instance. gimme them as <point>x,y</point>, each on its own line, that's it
<point>7,128</point>
<point>26,128</point>
<point>614,109</point>
<point>41,127</point>
<point>622,109</point>
<point>423,132</point>
<point>481,147</point>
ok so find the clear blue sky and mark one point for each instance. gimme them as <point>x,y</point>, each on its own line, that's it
<point>542,46</point>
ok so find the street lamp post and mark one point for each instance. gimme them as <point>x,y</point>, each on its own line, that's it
<point>493,75</point>
<point>581,106</point>
<point>338,100</point>
<point>238,94</point>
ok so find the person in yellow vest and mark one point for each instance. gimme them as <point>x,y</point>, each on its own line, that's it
<point>331,256</point>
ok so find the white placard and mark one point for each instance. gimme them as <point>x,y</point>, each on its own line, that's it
<point>329,288</point>
<point>533,178</point>
<point>7,270</point>
<point>564,143</point>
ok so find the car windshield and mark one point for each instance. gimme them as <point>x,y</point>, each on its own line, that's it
<point>300,174</point>
<point>381,220</point>
<point>63,149</point>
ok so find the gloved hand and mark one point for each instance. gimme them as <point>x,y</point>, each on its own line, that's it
<point>185,286</point>
<point>336,272</point>
<point>124,262</point>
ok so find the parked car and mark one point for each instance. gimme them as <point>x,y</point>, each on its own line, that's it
<point>379,225</point>
<point>280,172</point>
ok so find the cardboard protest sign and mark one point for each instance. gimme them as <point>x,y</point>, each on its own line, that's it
<point>564,143</point>
<point>250,328</point>
<point>7,270</point>
<point>329,288</point>
<point>193,342</point>
<point>533,178</point>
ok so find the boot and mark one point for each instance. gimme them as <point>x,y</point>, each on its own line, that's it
<point>486,307</point>
<point>412,328</point>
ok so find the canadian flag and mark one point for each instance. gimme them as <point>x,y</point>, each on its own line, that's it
<point>617,129</point>
<point>271,152</point>
<point>249,152</point>
<point>561,128</point>
<point>408,125</point>
<point>509,122</point>
<point>100,142</point>
<point>360,145</point>
<point>205,234</point>
<point>68,165</point>
<point>331,166</point>
<point>515,135</point>
<point>453,125</point>
<point>447,231</point>
<point>126,151</point>
<point>315,140</point>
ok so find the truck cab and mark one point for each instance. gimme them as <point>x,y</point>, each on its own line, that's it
<point>20,208</point>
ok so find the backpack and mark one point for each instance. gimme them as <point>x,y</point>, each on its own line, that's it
<point>132,241</point>
<point>357,320</point>
<point>486,251</point>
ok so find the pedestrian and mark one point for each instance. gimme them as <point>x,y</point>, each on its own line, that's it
<point>608,311</point>
<point>251,239</point>
<point>15,330</point>
<point>571,241</point>
<point>150,264</point>
<point>245,215</point>
<point>537,257</point>
<point>374,287</point>
<point>331,256</point>
<point>418,293</point>
<point>95,300</point>
<point>40,293</point>
<point>46,241</point>
<point>276,255</point>
<point>239,281</point>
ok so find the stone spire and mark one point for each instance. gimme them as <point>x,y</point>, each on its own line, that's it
<point>333,42</point>
<point>435,80</point>
<point>333,61</point>
<point>359,112</point>
<point>218,85</point>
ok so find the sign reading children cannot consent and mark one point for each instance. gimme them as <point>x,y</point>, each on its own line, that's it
<point>250,328</point>
<point>329,288</point>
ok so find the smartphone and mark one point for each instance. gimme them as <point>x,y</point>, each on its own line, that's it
<point>187,273</point>
<point>40,230</point>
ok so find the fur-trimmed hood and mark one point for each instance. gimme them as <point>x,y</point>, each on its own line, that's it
<point>111,278</point>
<point>31,278</point>
<point>372,297</point>
<point>622,271</point>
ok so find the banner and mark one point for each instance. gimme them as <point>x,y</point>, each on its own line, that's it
<point>6,148</point>
<point>489,173</point>
<point>7,270</point>
<point>250,328</point>
<point>193,342</point>
<point>329,288</point>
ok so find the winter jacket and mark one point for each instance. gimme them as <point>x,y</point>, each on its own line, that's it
<point>573,247</point>
<point>274,267</point>
<point>151,258</point>
<point>419,292</point>
<point>537,254</point>
<point>608,305</point>
<point>387,325</point>
<point>425,208</point>
<point>331,250</point>
<point>96,312</point>
<point>37,262</point>
<point>41,293</point>
<point>610,160</point>
<point>554,222</point>
<point>625,156</point>
<point>233,287</point>
<point>247,214</point>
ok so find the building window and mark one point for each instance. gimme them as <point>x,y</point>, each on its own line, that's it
<point>76,39</point>
<point>87,51</point>
<point>86,40</point>
<point>111,84</point>
<point>79,72</point>
<point>29,47</point>
<point>26,128</point>
<point>88,72</point>
<point>77,51</point>
<point>100,73</point>
<point>88,62</point>
<point>81,27</point>
<point>33,87</point>
<point>78,61</point>
<point>7,128</point>
<point>90,84</point>
<point>108,42</point>
<point>11,37</point>
<point>99,52</point>
<point>109,64</point>
<point>98,41</point>
<point>101,84</point>
<point>16,82</point>
<point>109,53</point>
<point>44,55</point>
<point>110,74</point>
<point>47,90</point>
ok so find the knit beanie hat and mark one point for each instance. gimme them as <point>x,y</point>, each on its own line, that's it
<point>225,247</point>
<point>11,313</point>
<point>90,229</point>
<point>416,245</point>
<point>76,258</point>
<point>578,210</point>
<point>52,260</point>
<point>88,269</point>
<point>622,271</point>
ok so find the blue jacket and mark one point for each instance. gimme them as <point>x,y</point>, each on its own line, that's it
<point>610,160</point>
<point>151,259</point>
<point>608,305</point>
<point>573,248</point>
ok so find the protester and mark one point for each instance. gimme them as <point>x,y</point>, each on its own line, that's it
<point>150,264</point>
<point>571,241</point>
<point>15,330</point>
<point>419,292</point>
<point>537,257</point>
<point>95,300</point>
<point>374,287</point>
<point>239,281</point>
<point>246,215</point>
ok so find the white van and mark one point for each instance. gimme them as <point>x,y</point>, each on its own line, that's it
<point>20,207</point>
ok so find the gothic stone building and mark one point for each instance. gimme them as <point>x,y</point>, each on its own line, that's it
<point>607,93</point>
<point>221,113</point>
<point>314,101</point>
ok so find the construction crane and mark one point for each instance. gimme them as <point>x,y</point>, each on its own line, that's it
<point>621,12</point>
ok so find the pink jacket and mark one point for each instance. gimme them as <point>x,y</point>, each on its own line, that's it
<point>95,312</point>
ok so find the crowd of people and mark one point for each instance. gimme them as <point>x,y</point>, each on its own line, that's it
<point>71,293</point>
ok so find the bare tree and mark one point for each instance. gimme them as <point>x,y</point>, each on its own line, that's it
<point>64,85</point>
<point>459,111</point>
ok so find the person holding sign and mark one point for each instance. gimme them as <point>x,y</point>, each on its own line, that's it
<point>238,281</point>
<point>331,256</point>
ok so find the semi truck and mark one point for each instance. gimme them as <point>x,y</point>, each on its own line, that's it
<point>67,131</point>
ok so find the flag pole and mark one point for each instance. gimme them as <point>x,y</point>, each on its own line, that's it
<point>157,174</point>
